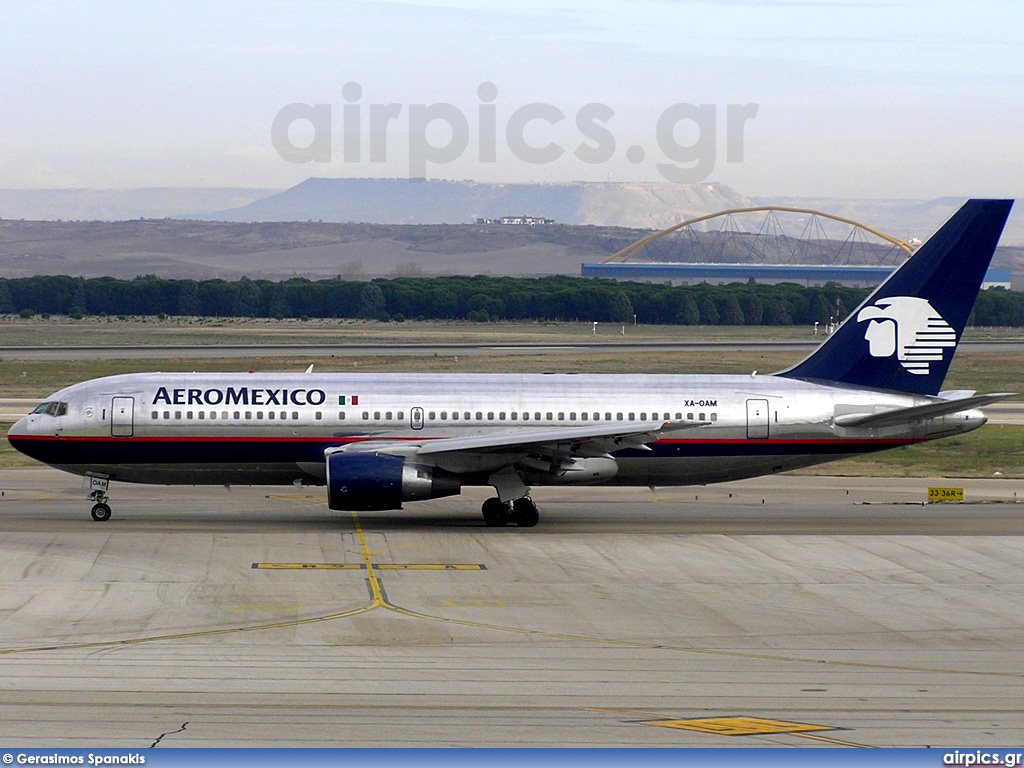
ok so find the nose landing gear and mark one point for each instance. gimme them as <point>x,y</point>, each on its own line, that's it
<point>100,510</point>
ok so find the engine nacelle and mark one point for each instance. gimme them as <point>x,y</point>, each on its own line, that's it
<point>364,481</point>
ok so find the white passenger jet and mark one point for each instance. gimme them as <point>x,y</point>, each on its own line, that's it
<point>378,440</point>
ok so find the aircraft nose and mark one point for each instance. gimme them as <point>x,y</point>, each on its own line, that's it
<point>21,435</point>
<point>19,428</point>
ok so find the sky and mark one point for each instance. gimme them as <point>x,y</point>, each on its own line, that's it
<point>901,99</point>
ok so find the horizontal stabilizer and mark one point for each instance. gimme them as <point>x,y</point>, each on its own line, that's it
<point>929,411</point>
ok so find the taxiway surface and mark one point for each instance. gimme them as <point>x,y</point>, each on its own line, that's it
<point>799,611</point>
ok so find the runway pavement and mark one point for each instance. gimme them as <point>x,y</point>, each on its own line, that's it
<point>798,611</point>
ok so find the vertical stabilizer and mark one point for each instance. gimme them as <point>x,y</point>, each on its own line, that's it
<point>905,333</point>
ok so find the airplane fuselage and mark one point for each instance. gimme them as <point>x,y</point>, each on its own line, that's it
<point>274,428</point>
<point>379,440</point>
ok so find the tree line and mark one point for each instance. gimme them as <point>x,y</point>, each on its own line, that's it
<point>479,298</point>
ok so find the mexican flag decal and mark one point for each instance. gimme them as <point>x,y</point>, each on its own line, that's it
<point>348,399</point>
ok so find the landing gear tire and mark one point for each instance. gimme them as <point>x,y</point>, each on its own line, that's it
<point>496,513</point>
<point>100,512</point>
<point>525,513</point>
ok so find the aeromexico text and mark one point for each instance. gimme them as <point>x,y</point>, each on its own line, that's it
<point>239,396</point>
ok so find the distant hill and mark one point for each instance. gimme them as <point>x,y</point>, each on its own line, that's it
<point>400,201</point>
<point>276,250</point>
<point>303,232</point>
<point>122,204</point>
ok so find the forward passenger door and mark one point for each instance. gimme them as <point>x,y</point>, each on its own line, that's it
<point>122,417</point>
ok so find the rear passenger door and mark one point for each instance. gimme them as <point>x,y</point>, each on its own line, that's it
<point>757,419</point>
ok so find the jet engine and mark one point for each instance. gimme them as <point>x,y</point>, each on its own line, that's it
<point>365,481</point>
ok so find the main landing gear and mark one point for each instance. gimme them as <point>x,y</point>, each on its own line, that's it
<point>100,510</point>
<point>513,503</point>
<point>522,511</point>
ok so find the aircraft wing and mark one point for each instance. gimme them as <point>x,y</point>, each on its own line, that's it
<point>600,439</point>
<point>916,413</point>
<point>596,440</point>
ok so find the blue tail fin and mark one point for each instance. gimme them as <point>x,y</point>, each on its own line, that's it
<point>905,333</point>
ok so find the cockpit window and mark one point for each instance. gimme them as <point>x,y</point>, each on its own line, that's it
<point>52,408</point>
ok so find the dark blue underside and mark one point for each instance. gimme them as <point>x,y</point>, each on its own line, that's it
<point>128,451</point>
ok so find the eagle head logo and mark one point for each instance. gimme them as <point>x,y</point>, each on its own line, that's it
<point>909,328</point>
